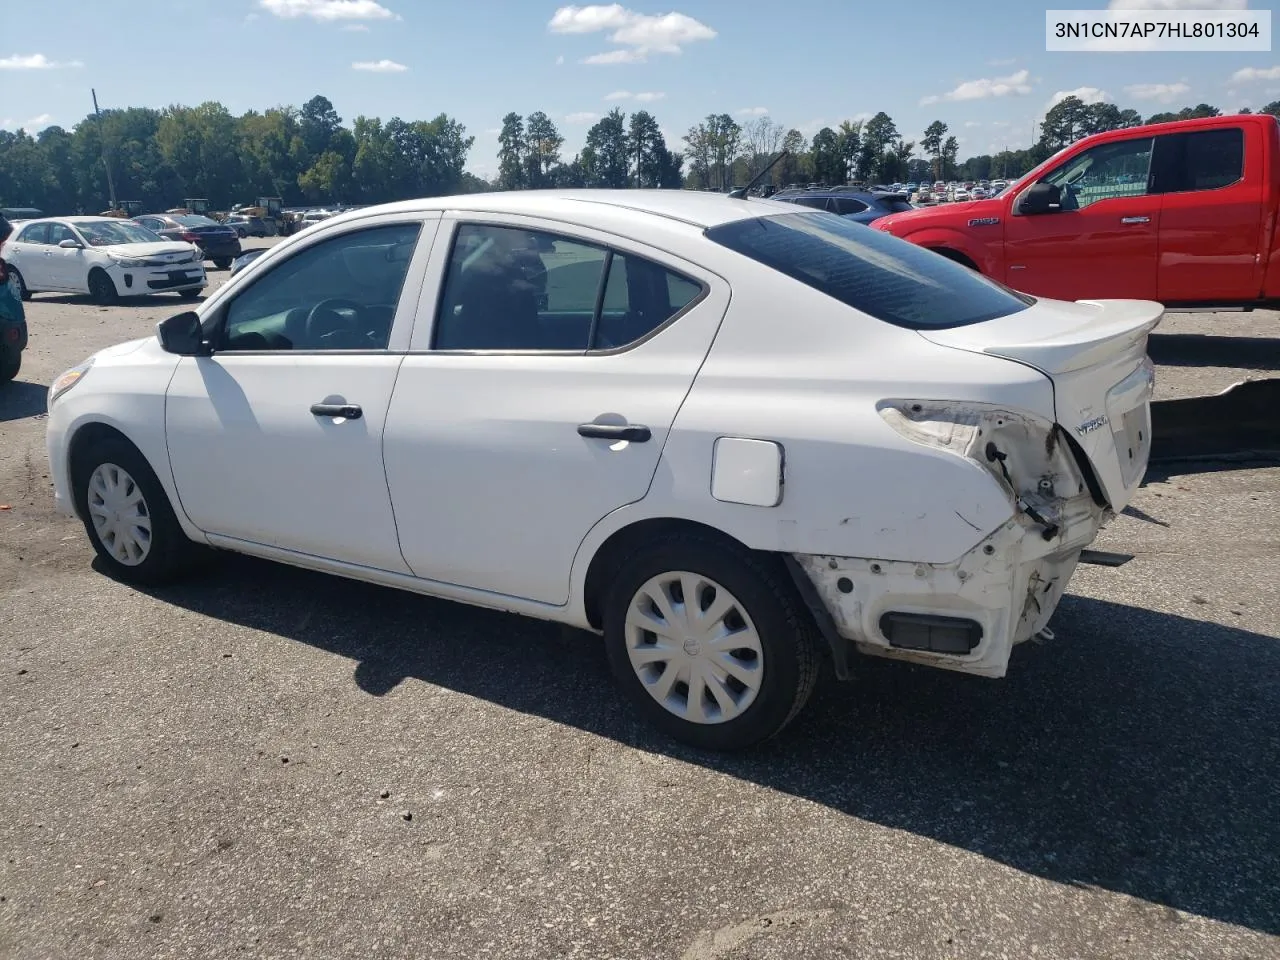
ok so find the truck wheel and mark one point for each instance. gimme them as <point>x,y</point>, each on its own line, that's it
<point>956,257</point>
<point>710,642</point>
<point>101,288</point>
<point>10,363</point>
<point>127,515</point>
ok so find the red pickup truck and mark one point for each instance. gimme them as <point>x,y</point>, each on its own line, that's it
<point>1186,213</point>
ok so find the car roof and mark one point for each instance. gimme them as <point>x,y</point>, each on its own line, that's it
<point>696,208</point>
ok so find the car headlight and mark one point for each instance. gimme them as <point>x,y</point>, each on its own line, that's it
<point>68,379</point>
<point>128,261</point>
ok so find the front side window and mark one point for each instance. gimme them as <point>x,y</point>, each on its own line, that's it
<point>1108,171</point>
<point>110,233</point>
<point>36,233</point>
<point>510,288</point>
<point>59,232</point>
<point>871,271</point>
<point>339,294</point>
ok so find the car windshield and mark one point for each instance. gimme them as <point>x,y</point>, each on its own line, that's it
<point>106,234</point>
<point>887,278</point>
<point>195,220</point>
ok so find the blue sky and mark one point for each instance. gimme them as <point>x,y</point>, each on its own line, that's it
<point>981,68</point>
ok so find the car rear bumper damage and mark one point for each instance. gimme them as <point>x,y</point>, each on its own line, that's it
<point>966,615</point>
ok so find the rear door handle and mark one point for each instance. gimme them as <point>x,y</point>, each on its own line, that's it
<point>1128,220</point>
<point>634,432</point>
<point>346,411</point>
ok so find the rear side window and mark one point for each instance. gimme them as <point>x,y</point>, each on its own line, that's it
<point>847,205</point>
<point>1205,160</point>
<point>871,271</point>
<point>36,233</point>
<point>896,205</point>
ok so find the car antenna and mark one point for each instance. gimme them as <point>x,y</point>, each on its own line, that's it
<point>741,192</point>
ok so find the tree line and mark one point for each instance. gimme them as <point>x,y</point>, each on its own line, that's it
<point>306,155</point>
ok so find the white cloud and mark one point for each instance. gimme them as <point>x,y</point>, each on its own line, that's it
<point>40,122</point>
<point>6,123</point>
<point>1006,62</point>
<point>583,116</point>
<point>1178,5</point>
<point>1160,92</point>
<point>972,123</point>
<point>560,61</point>
<point>620,95</point>
<point>753,111</point>
<point>639,34</point>
<point>379,66</point>
<point>1014,84</point>
<point>35,61</point>
<point>328,10</point>
<point>356,28</point>
<point>1250,74</point>
<point>649,96</point>
<point>616,56</point>
<point>493,131</point>
<point>1083,94</point>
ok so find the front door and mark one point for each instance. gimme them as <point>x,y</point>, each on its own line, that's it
<point>1103,242</point>
<point>542,400</point>
<point>66,265</point>
<point>276,439</point>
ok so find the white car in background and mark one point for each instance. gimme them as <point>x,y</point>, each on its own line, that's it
<point>734,436</point>
<point>104,257</point>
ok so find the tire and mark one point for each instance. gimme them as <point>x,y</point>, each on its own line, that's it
<point>189,294</point>
<point>779,660</point>
<point>20,282</point>
<point>102,289</point>
<point>241,232</point>
<point>223,263</point>
<point>10,363</point>
<point>163,556</point>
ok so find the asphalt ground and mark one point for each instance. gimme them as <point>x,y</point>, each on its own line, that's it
<point>272,763</point>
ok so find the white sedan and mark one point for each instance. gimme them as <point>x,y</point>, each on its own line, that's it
<point>735,437</point>
<point>104,257</point>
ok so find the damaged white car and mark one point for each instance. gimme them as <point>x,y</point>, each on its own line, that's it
<point>736,437</point>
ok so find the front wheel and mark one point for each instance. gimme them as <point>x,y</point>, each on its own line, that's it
<point>222,263</point>
<point>710,642</point>
<point>20,285</point>
<point>102,289</point>
<point>189,294</point>
<point>128,516</point>
<point>10,363</point>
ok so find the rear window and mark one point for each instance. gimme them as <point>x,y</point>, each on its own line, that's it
<point>887,278</point>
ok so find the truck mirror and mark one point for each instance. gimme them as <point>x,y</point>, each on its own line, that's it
<point>1040,198</point>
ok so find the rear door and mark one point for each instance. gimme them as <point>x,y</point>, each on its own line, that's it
<point>1103,241</point>
<point>27,251</point>
<point>1211,217</point>
<point>541,400</point>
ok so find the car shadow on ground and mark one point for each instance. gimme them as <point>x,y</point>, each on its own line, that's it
<point>1135,753</point>
<point>1211,350</point>
<point>158,299</point>
<point>20,399</point>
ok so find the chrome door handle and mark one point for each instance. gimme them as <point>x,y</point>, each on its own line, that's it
<point>1128,220</point>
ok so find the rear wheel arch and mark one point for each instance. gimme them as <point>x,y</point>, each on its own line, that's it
<point>619,545</point>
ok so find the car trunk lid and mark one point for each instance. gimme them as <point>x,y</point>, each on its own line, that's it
<point>1095,352</point>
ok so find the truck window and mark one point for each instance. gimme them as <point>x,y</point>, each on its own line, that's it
<point>1107,171</point>
<point>1206,160</point>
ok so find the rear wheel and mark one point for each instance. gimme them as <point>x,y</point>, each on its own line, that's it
<point>19,283</point>
<point>242,232</point>
<point>101,288</point>
<point>710,642</point>
<point>222,263</point>
<point>128,516</point>
<point>10,363</point>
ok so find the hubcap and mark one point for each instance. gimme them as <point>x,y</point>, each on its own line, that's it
<point>694,648</point>
<point>119,514</point>
<point>17,284</point>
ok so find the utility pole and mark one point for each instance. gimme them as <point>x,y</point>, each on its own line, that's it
<point>106,161</point>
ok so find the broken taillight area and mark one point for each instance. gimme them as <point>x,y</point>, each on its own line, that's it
<point>1023,452</point>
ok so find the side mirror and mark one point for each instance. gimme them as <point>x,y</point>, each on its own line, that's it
<point>1040,198</point>
<point>182,334</point>
<point>70,244</point>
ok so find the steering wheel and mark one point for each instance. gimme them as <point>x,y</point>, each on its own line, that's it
<point>325,322</point>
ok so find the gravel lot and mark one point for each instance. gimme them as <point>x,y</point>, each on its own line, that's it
<point>274,763</point>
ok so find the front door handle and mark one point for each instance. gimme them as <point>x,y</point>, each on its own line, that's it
<point>634,432</point>
<point>345,411</point>
<point>1129,220</point>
